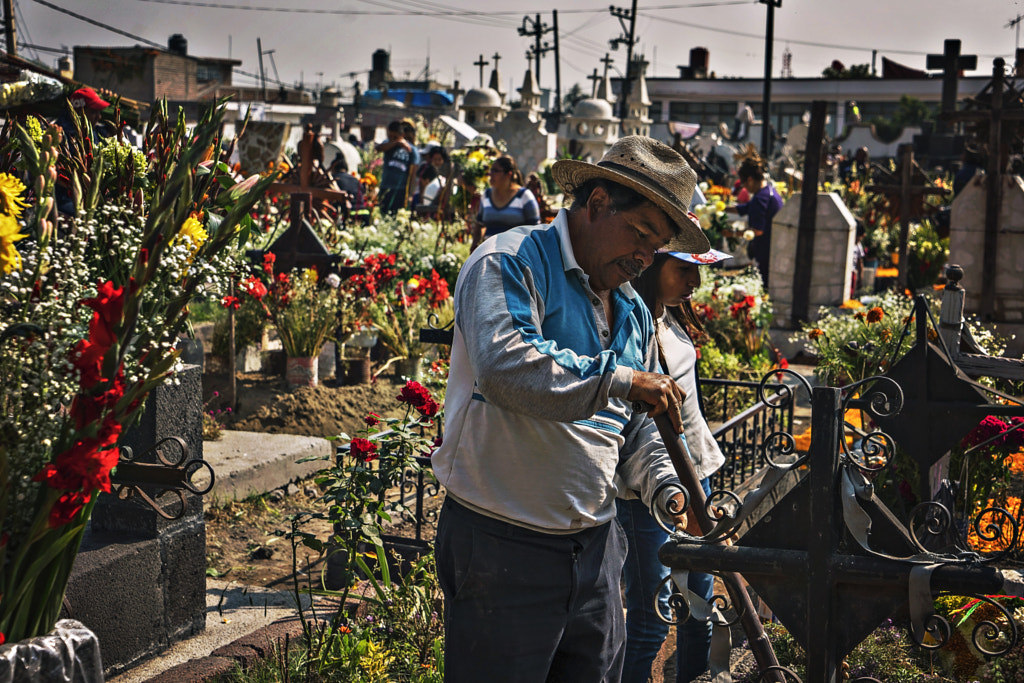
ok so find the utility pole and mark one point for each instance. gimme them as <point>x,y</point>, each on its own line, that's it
<point>534,28</point>
<point>10,34</point>
<point>766,103</point>
<point>1013,23</point>
<point>263,78</point>
<point>629,38</point>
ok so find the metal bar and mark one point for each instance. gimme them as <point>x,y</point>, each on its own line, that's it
<point>759,643</point>
<point>994,194</point>
<point>822,613</point>
<point>906,153</point>
<point>808,214</point>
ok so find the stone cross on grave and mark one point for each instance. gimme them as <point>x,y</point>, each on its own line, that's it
<point>1004,116</point>
<point>594,80</point>
<point>910,189</point>
<point>952,63</point>
<point>481,63</point>
<point>496,57</point>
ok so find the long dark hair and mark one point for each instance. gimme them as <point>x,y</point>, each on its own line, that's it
<point>508,165</point>
<point>646,285</point>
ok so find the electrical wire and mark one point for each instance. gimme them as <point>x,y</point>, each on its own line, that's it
<point>447,12</point>
<point>100,24</point>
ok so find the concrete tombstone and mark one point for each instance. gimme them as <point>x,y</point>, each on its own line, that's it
<point>832,264</point>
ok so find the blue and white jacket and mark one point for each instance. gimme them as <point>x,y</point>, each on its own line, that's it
<point>538,430</point>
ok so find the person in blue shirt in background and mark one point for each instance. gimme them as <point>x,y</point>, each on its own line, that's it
<point>398,166</point>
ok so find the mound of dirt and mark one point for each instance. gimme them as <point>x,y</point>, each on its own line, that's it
<point>265,404</point>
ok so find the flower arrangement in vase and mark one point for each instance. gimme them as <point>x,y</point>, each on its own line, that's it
<point>93,303</point>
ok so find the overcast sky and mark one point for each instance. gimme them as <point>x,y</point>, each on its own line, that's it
<point>325,40</point>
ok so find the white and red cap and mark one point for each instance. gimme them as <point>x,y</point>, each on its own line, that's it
<point>705,259</point>
<point>86,98</point>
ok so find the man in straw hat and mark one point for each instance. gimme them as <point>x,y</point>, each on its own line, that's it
<point>552,350</point>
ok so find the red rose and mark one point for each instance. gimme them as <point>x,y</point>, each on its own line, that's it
<point>414,393</point>
<point>363,449</point>
<point>230,302</point>
<point>372,420</point>
<point>429,407</point>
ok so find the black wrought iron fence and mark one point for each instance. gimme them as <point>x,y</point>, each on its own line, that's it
<point>740,436</point>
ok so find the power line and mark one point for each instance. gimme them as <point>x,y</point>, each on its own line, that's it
<point>809,43</point>
<point>98,23</point>
<point>448,12</point>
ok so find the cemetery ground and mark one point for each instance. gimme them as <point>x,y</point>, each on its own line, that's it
<point>242,536</point>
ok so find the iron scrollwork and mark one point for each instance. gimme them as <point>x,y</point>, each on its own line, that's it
<point>171,475</point>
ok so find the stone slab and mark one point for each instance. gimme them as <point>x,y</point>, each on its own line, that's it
<point>232,612</point>
<point>247,463</point>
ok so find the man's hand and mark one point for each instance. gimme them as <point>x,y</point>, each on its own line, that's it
<point>661,393</point>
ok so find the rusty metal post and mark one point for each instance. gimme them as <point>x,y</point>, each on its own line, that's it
<point>803,273</point>
<point>232,356</point>
<point>906,153</point>
<point>993,194</point>
<point>826,417</point>
<point>760,646</point>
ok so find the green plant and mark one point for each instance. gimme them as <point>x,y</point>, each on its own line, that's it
<point>94,308</point>
<point>888,654</point>
<point>926,255</point>
<point>853,343</point>
<point>355,487</point>
<point>212,425</point>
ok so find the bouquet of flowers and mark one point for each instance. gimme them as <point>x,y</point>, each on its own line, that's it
<point>93,304</point>
<point>304,310</point>
<point>400,303</point>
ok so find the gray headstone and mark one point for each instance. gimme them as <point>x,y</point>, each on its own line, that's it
<point>967,246</point>
<point>831,266</point>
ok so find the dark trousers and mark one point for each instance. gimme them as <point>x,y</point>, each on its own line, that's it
<point>526,607</point>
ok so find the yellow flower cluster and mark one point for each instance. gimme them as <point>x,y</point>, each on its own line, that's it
<point>193,234</point>
<point>11,207</point>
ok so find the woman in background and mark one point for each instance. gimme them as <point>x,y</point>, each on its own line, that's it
<point>506,204</point>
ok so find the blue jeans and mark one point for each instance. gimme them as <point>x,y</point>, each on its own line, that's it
<point>643,572</point>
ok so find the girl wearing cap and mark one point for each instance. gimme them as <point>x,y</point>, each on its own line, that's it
<point>666,288</point>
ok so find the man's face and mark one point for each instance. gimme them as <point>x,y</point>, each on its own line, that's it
<point>616,247</point>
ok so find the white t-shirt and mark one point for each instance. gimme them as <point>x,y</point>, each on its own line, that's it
<point>681,358</point>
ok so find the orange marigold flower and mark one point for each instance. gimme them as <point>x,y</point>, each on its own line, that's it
<point>875,314</point>
<point>860,315</point>
<point>815,333</point>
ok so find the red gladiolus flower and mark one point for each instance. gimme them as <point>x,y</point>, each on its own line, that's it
<point>253,287</point>
<point>372,420</point>
<point>268,263</point>
<point>363,449</point>
<point>230,302</point>
<point>66,507</point>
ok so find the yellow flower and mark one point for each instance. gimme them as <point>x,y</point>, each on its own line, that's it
<point>719,206</point>
<point>192,231</point>
<point>11,190</point>
<point>10,259</point>
<point>476,156</point>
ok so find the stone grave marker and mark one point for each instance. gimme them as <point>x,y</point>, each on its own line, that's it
<point>139,581</point>
<point>831,263</point>
<point>967,236</point>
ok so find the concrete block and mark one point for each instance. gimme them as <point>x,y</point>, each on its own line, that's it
<point>116,590</point>
<point>248,463</point>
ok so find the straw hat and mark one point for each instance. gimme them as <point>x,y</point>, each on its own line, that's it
<point>654,170</point>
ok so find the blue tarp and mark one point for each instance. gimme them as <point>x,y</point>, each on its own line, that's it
<point>420,98</point>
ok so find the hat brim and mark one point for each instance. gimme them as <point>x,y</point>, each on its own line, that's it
<point>703,259</point>
<point>572,173</point>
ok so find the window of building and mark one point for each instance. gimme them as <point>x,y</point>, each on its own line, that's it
<point>207,72</point>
